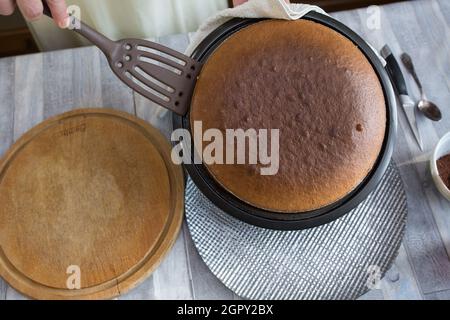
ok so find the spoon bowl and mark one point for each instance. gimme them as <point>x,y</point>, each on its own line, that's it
<point>430,110</point>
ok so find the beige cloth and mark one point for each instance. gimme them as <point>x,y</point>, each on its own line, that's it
<point>277,9</point>
<point>131,18</point>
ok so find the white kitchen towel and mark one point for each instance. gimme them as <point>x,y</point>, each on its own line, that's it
<point>276,9</point>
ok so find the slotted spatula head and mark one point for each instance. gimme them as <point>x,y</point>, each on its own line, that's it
<point>163,75</point>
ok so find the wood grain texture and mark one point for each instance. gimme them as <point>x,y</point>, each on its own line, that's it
<point>28,93</point>
<point>375,294</point>
<point>444,8</point>
<point>205,285</point>
<point>400,282</point>
<point>3,289</point>
<point>13,294</point>
<point>58,90</point>
<point>7,68</point>
<point>424,238</point>
<point>145,291</point>
<point>61,81</point>
<point>439,295</point>
<point>425,251</point>
<point>92,188</point>
<point>114,93</point>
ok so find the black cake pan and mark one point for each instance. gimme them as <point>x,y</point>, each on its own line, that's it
<point>301,220</point>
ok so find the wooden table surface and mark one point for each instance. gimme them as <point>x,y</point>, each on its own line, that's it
<point>35,87</point>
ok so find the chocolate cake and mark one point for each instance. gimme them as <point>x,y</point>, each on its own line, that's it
<point>317,88</point>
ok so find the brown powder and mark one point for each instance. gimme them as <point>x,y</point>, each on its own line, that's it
<point>443,165</point>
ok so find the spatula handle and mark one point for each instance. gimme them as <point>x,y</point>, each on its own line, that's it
<point>98,39</point>
<point>47,11</point>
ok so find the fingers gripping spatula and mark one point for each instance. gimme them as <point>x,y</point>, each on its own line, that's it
<point>159,73</point>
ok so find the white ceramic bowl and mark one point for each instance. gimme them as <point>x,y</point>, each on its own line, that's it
<point>441,149</point>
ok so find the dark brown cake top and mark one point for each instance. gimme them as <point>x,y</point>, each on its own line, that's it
<point>315,86</point>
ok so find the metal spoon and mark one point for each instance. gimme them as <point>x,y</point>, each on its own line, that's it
<point>428,108</point>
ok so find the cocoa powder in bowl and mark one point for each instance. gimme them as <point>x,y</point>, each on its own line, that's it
<point>443,165</point>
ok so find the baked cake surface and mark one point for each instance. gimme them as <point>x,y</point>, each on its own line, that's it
<point>312,84</point>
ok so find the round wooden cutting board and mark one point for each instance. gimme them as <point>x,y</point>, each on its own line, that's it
<point>90,202</point>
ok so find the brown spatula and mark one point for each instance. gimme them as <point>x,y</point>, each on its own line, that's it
<point>159,73</point>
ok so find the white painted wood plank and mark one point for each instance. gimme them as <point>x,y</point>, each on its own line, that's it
<point>436,76</point>
<point>7,68</point>
<point>440,209</point>
<point>58,80</point>
<point>115,94</point>
<point>439,295</point>
<point>387,34</point>
<point>172,278</point>
<point>87,89</point>
<point>73,80</point>
<point>205,285</point>
<point>28,93</point>
<point>375,294</point>
<point>153,114</point>
<point>144,291</point>
<point>3,289</point>
<point>13,294</point>
<point>236,297</point>
<point>437,61</point>
<point>422,240</point>
<point>425,41</point>
<point>399,282</point>
<point>443,7</point>
<point>427,235</point>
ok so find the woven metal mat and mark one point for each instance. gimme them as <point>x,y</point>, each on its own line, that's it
<point>333,261</point>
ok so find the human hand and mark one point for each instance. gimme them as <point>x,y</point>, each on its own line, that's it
<point>32,10</point>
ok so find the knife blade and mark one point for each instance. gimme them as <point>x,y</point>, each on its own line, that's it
<point>408,105</point>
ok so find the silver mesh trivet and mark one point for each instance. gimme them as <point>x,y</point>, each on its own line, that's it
<point>333,261</point>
